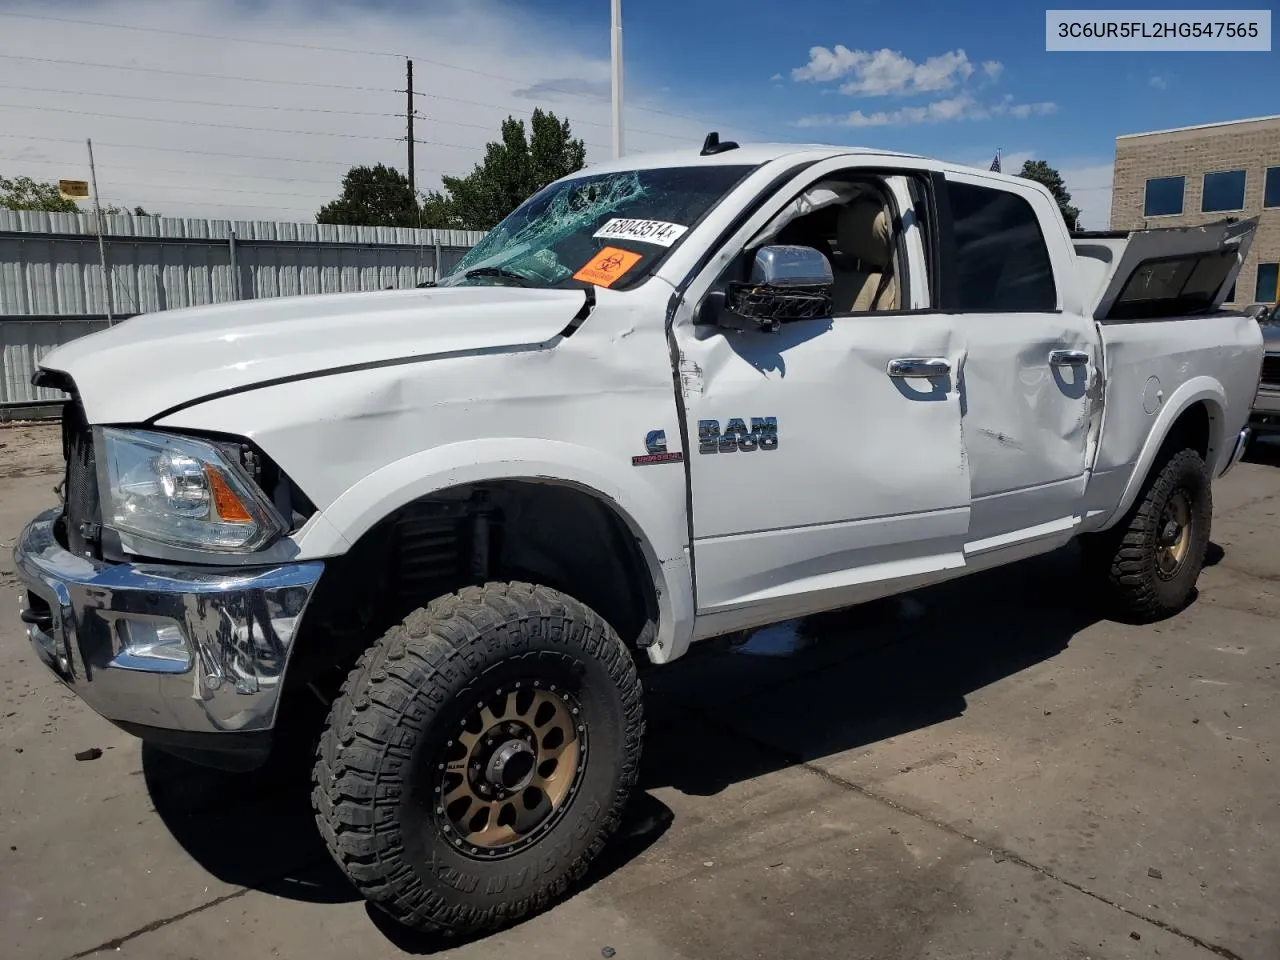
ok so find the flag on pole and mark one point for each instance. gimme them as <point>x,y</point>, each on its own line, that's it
<point>995,164</point>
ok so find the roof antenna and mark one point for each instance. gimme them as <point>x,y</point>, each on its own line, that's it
<point>712,145</point>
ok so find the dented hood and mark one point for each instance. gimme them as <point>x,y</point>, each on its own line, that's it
<point>151,363</point>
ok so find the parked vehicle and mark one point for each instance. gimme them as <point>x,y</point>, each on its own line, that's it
<point>669,398</point>
<point>1265,418</point>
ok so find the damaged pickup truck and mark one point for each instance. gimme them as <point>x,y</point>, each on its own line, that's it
<point>668,398</point>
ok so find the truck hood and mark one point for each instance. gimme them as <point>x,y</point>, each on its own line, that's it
<point>1271,336</point>
<point>151,363</point>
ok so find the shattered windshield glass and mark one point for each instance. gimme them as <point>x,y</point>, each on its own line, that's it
<point>609,229</point>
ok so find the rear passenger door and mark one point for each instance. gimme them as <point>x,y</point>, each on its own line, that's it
<point>1029,389</point>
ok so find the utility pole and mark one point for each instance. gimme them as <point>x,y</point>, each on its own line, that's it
<point>102,247</point>
<point>617,78</point>
<point>409,114</point>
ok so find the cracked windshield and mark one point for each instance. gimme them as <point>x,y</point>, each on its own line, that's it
<point>608,230</point>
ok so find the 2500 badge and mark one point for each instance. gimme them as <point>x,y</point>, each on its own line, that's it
<point>736,436</point>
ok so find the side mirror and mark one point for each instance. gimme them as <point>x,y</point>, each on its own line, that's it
<point>787,283</point>
<point>1258,311</point>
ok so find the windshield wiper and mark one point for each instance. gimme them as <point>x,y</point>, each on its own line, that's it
<point>502,272</point>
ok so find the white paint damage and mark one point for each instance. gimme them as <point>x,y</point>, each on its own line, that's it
<point>877,483</point>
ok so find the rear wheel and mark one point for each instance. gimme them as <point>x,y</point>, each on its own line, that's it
<point>479,757</point>
<point>1148,564</point>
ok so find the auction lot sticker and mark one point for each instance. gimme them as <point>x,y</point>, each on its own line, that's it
<point>608,266</point>
<point>646,231</point>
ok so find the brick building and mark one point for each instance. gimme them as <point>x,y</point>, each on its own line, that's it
<point>1195,175</point>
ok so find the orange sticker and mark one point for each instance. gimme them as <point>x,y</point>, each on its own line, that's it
<point>608,266</point>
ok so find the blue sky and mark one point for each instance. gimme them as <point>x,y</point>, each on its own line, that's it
<point>749,60</point>
<point>255,108</point>
<point>725,52</point>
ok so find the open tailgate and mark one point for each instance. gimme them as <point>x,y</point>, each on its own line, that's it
<point>1176,271</point>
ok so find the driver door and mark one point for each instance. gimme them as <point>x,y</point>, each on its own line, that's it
<point>819,478</point>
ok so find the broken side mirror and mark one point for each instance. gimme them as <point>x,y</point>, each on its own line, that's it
<point>786,283</point>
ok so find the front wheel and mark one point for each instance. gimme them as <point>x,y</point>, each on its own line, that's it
<point>1148,564</point>
<point>479,757</point>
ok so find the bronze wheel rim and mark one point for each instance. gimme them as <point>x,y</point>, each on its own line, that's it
<point>511,769</point>
<point>1173,535</point>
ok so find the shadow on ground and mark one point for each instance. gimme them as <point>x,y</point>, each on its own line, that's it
<point>1264,451</point>
<point>737,709</point>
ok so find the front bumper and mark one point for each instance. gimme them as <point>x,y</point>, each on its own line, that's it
<point>236,626</point>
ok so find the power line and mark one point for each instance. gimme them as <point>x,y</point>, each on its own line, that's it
<point>186,173</point>
<point>529,113</point>
<point>202,189</point>
<point>196,103</point>
<point>303,83</point>
<point>188,73</point>
<point>201,153</point>
<point>202,36</point>
<point>280,107</point>
<point>203,123</point>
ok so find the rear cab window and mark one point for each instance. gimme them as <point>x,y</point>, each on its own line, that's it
<point>1000,260</point>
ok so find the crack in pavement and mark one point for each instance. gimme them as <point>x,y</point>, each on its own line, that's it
<point>154,925</point>
<point>813,769</point>
<point>116,942</point>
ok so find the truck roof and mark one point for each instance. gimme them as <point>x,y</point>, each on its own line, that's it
<point>756,154</point>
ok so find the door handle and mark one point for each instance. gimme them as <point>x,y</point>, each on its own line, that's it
<point>1069,358</point>
<point>919,367</point>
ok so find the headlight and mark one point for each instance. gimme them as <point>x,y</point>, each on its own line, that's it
<point>183,492</point>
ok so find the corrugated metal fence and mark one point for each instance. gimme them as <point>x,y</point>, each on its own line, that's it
<point>52,289</point>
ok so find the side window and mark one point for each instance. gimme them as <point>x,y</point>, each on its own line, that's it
<point>1001,260</point>
<point>1163,197</point>
<point>1265,289</point>
<point>1271,188</point>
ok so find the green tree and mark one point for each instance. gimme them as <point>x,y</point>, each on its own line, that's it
<point>113,210</point>
<point>1041,172</point>
<point>376,196</point>
<point>514,168</point>
<point>23,193</point>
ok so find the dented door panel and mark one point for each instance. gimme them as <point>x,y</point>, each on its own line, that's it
<point>1029,407</point>
<point>816,469</point>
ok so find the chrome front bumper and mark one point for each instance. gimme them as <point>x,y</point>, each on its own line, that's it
<point>228,631</point>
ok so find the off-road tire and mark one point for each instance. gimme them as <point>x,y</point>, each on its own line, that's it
<point>1123,560</point>
<point>402,701</point>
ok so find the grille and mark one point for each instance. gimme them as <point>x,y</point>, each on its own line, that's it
<point>1271,370</point>
<point>83,512</point>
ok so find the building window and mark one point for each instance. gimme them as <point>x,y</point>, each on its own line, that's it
<point>1266,289</point>
<point>1223,191</point>
<point>1001,260</point>
<point>1164,197</point>
<point>1271,191</point>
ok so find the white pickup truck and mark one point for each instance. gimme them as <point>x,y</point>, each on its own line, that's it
<point>668,398</point>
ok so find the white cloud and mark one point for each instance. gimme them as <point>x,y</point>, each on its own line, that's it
<point>506,62</point>
<point>1159,82</point>
<point>887,72</point>
<point>992,68</point>
<point>1023,110</point>
<point>962,107</point>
